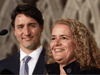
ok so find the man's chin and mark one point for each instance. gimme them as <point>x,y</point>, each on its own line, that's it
<point>30,47</point>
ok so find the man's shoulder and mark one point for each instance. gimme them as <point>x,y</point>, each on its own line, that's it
<point>8,59</point>
<point>8,64</point>
<point>43,49</point>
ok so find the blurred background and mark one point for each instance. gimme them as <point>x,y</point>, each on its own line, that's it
<point>86,11</point>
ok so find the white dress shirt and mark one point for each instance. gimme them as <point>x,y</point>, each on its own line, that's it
<point>34,58</point>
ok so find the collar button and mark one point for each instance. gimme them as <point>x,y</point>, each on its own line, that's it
<point>69,70</point>
<point>50,70</point>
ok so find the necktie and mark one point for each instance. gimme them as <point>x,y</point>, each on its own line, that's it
<point>24,68</point>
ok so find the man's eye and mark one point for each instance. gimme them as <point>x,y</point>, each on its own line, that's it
<point>20,27</point>
<point>32,25</point>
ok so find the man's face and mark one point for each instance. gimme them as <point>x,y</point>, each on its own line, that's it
<point>27,32</point>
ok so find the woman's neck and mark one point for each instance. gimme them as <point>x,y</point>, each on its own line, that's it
<point>62,72</point>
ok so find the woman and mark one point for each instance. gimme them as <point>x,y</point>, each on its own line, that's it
<point>73,49</point>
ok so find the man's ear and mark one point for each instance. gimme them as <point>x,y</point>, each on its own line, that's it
<point>42,28</point>
<point>14,32</point>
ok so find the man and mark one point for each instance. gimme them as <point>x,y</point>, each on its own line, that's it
<point>28,25</point>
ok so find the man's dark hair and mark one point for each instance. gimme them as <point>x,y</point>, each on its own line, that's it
<point>27,10</point>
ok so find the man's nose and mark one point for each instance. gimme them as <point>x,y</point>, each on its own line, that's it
<point>26,31</point>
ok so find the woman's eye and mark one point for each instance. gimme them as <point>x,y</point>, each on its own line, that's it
<point>52,38</point>
<point>64,37</point>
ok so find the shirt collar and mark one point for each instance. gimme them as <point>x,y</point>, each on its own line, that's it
<point>35,54</point>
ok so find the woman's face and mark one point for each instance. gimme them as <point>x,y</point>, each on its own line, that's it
<point>62,44</point>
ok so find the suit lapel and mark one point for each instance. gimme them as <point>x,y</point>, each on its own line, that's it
<point>40,66</point>
<point>15,63</point>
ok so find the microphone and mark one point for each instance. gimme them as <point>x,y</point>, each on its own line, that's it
<point>4,32</point>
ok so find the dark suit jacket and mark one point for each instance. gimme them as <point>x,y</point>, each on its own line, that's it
<point>12,64</point>
<point>71,69</point>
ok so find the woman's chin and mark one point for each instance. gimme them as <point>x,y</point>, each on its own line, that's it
<point>59,60</point>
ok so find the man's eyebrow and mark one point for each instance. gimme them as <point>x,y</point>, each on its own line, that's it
<point>28,24</point>
<point>19,25</point>
<point>32,23</point>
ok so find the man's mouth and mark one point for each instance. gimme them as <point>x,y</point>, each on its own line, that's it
<point>27,38</point>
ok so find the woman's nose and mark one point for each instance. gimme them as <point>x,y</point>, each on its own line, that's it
<point>58,42</point>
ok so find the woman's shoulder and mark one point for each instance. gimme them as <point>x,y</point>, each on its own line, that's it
<point>93,71</point>
<point>74,68</point>
<point>53,68</point>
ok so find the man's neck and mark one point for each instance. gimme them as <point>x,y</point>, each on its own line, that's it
<point>28,51</point>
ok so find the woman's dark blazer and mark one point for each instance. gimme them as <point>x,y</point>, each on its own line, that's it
<point>71,69</point>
